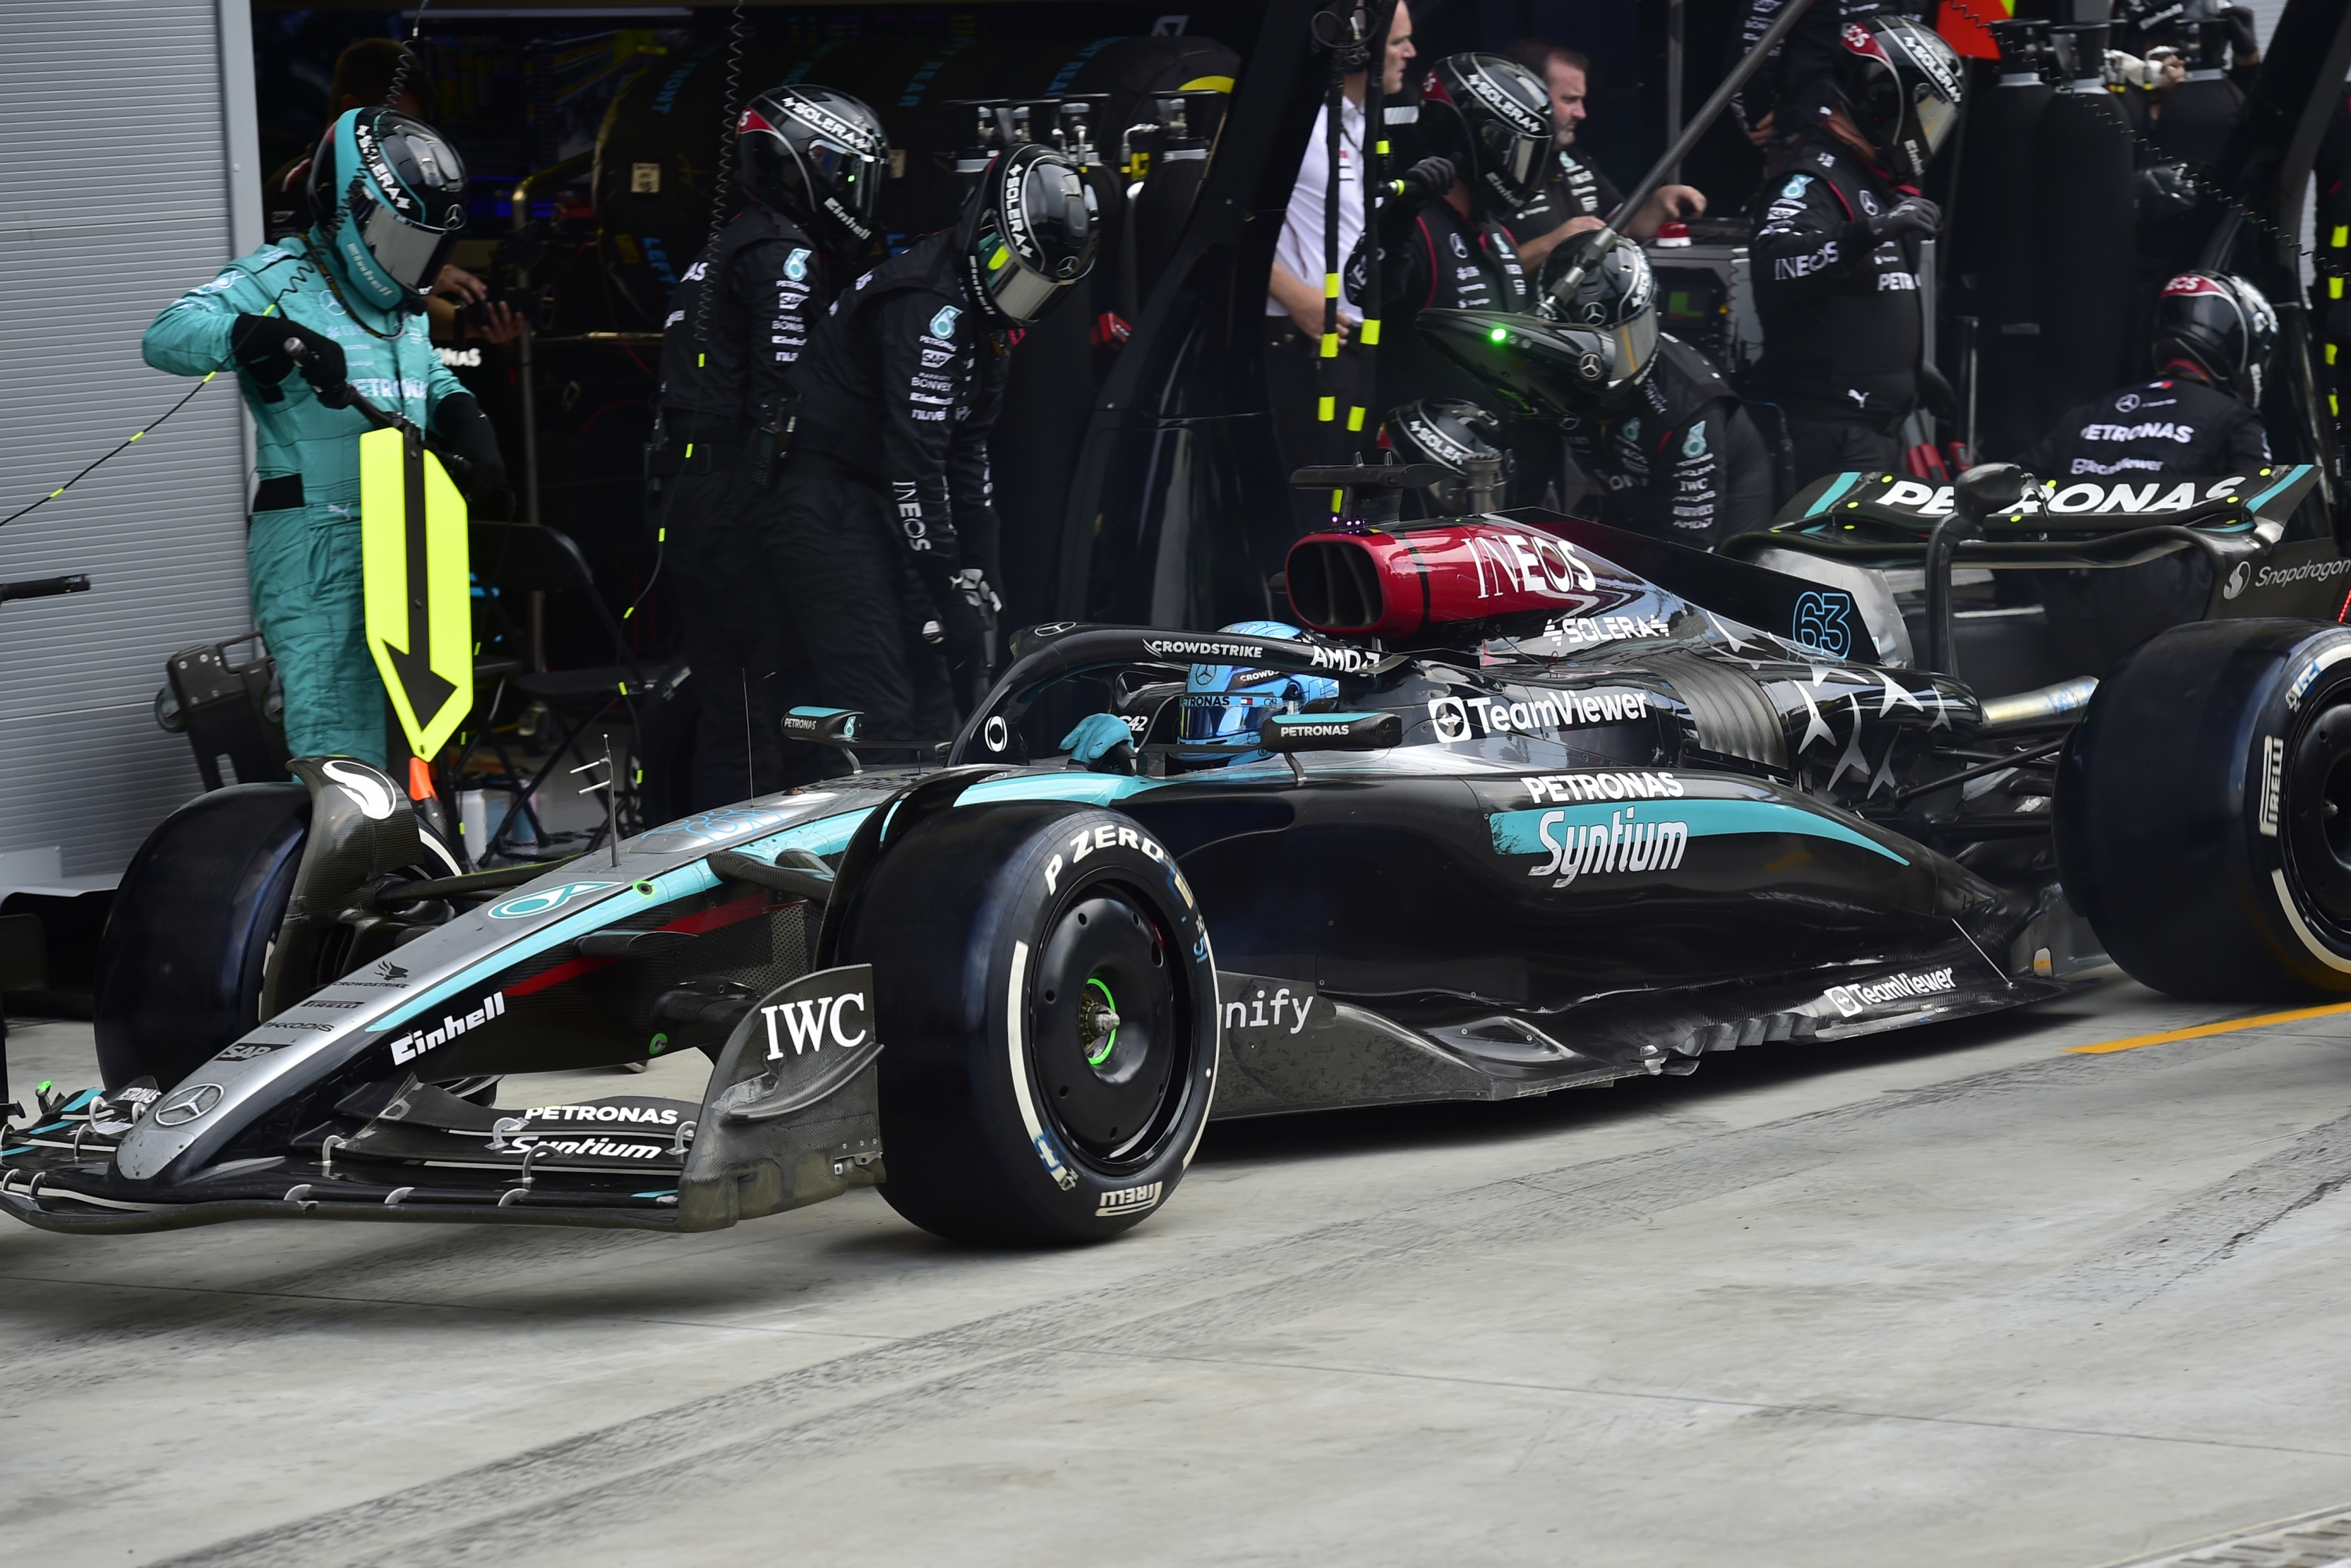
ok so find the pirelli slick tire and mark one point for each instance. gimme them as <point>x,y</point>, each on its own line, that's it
<point>1047,1003</point>
<point>2204,812</point>
<point>179,966</point>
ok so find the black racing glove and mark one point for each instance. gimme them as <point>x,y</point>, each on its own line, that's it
<point>967,608</point>
<point>1415,189</point>
<point>464,430</point>
<point>258,345</point>
<point>1912,214</point>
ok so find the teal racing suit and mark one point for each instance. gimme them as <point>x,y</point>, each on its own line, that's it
<point>302,555</point>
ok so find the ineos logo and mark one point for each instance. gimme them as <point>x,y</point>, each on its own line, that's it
<point>186,1104</point>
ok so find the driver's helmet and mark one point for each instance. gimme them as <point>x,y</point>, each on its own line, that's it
<point>389,193</point>
<point>1224,706</point>
<point>1616,298</point>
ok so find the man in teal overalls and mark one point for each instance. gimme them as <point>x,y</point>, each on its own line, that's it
<point>390,195</point>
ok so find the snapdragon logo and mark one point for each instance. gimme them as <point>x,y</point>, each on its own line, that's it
<point>1855,1000</point>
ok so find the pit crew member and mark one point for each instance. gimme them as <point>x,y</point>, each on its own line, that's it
<point>1835,249</point>
<point>349,288</point>
<point>812,161</point>
<point>1575,197</point>
<point>1661,445</point>
<point>885,517</point>
<point>2199,418</point>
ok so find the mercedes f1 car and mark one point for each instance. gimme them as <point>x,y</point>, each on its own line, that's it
<point>1573,805</point>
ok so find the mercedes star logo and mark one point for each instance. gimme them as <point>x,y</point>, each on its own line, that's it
<point>185,1106</point>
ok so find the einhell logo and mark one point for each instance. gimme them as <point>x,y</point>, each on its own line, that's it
<point>416,1043</point>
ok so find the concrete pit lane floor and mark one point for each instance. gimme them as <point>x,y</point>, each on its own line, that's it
<point>1952,1296</point>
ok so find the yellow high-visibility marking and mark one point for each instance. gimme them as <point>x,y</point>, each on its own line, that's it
<point>2228,1026</point>
<point>1328,409</point>
<point>1330,286</point>
<point>1370,335</point>
<point>2335,288</point>
<point>2342,235</point>
<point>1337,499</point>
<point>1383,147</point>
<point>1355,417</point>
<point>437,613</point>
<point>1329,345</point>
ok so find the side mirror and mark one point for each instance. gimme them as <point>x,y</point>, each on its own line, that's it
<point>1286,735</point>
<point>834,726</point>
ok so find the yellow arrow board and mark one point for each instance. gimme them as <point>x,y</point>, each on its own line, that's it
<point>420,610</point>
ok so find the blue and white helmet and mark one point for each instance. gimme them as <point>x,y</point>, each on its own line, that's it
<point>389,194</point>
<point>1224,706</point>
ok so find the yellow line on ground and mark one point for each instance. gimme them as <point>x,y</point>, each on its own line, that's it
<point>2227,1026</point>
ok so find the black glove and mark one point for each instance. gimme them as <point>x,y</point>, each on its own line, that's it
<point>967,610</point>
<point>271,341</point>
<point>464,430</point>
<point>1415,189</point>
<point>1912,214</point>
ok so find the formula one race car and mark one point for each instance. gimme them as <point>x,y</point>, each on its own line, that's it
<point>1536,805</point>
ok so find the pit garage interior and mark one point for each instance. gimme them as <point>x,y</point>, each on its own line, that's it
<point>2046,1285</point>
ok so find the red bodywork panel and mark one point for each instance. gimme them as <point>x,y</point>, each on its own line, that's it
<point>1373,584</point>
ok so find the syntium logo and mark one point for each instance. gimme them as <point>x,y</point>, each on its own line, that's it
<point>1623,843</point>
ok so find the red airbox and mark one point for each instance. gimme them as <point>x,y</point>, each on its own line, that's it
<point>1390,585</point>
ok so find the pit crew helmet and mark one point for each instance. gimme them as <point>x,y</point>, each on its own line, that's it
<point>1028,233</point>
<point>2220,322</point>
<point>389,193</point>
<point>1448,431</point>
<point>819,157</point>
<point>1224,706</point>
<point>1616,299</point>
<point>1491,117</point>
<point>1899,84</point>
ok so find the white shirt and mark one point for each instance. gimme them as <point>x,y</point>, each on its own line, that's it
<point>1301,248</point>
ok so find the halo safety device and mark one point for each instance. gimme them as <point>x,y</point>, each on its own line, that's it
<point>1492,117</point>
<point>816,156</point>
<point>1224,707</point>
<point>1029,232</point>
<point>1899,84</point>
<point>390,195</point>
<point>2219,321</point>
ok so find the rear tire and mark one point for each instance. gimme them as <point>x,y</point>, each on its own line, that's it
<point>2204,812</point>
<point>179,968</point>
<point>1047,1003</point>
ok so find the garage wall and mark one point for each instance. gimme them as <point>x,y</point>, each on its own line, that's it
<point>122,124</point>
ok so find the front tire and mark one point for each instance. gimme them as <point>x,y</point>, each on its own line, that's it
<point>1047,1000</point>
<point>180,965</point>
<point>2204,812</point>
